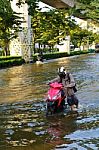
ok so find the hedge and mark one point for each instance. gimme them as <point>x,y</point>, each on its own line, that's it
<point>54,55</point>
<point>10,61</point>
<point>17,60</point>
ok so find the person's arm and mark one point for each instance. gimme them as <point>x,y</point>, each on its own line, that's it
<point>54,80</point>
<point>57,79</point>
<point>72,81</point>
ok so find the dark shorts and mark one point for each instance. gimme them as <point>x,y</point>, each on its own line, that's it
<point>72,100</point>
<point>62,93</point>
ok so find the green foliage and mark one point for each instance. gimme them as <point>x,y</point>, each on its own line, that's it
<point>82,36</point>
<point>60,55</point>
<point>3,58</point>
<point>33,5</point>
<point>10,61</point>
<point>78,52</point>
<point>55,55</point>
<point>87,10</point>
<point>9,24</point>
<point>52,26</point>
<point>49,27</point>
<point>52,55</point>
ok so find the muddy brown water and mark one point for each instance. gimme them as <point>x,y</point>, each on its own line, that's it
<point>23,123</point>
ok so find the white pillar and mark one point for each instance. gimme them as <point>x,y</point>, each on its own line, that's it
<point>68,44</point>
<point>64,46</point>
<point>29,39</point>
<point>22,45</point>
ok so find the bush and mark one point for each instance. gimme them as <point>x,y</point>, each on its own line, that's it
<point>10,61</point>
<point>78,52</point>
<point>55,55</point>
<point>59,55</point>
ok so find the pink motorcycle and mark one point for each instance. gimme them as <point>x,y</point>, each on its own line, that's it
<point>55,98</point>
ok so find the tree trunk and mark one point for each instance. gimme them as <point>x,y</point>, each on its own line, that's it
<point>33,40</point>
<point>6,49</point>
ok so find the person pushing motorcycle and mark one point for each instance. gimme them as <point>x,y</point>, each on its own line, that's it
<point>68,82</point>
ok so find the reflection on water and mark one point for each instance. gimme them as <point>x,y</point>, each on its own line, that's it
<point>23,124</point>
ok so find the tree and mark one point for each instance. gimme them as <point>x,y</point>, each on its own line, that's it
<point>9,24</point>
<point>52,26</point>
<point>49,27</point>
<point>81,37</point>
<point>33,5</point>
<point>87,10</point>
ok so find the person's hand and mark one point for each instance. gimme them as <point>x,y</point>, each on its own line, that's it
<point>48,83</point>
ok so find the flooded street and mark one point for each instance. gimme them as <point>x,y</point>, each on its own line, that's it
<point>23,123</point>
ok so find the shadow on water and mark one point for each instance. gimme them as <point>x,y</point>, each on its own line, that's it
<point>23,123</point>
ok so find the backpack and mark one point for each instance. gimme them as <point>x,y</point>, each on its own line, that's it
<point>74,87</point>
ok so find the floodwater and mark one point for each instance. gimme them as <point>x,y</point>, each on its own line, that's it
<point>23,123</point>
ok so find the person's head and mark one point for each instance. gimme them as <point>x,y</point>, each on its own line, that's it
<point>61,72</point>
